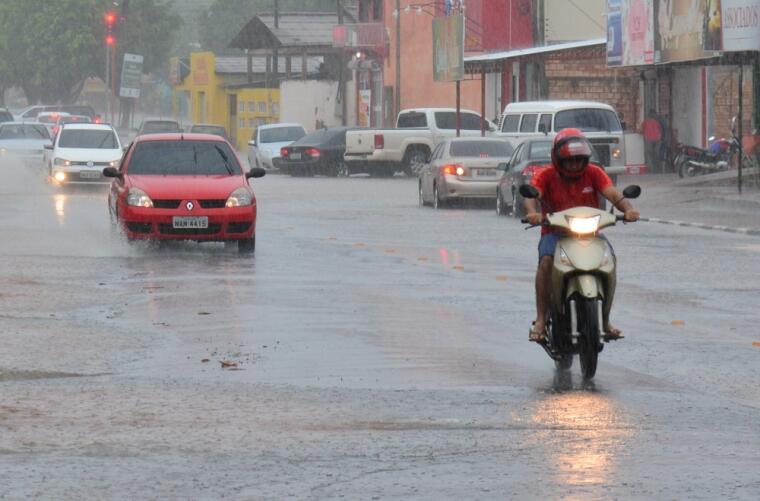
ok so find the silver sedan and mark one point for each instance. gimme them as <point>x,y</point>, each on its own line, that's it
<point>463,168</point>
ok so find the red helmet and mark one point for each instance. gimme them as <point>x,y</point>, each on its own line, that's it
<point>570,144</point>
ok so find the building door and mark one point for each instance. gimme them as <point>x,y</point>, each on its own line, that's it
<point>232,119</point>
<point>515,82</point>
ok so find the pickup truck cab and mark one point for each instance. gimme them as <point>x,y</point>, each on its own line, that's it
<point>541,119</point>
<point>382,152</point>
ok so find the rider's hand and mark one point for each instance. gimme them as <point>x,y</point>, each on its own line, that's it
<point>631,215</point>
<point>534,218</point>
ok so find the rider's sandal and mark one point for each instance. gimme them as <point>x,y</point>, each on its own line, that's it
<point>613,334</point>
<point>534,335</point>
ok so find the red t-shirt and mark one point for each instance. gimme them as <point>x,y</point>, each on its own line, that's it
<point>559,193</point>
<point>651,129</point>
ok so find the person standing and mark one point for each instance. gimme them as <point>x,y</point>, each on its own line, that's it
<point>652,131</point>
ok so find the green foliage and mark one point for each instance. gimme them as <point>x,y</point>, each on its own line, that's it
<point>225,18</point>
<point>49,47</point>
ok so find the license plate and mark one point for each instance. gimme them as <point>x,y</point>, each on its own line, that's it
<point>89,174</point>
<point>190,222</point>
<point>484,172</point>
<point>295,156</point>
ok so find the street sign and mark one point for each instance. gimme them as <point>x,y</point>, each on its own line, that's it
<point>448,48</point>
<point>131,74</point>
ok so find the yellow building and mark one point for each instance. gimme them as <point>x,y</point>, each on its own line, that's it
<point>217,90</point>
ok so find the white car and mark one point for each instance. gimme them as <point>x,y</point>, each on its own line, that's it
<point>266,141</point>
<point>50,119</point>
<point>80,152</point>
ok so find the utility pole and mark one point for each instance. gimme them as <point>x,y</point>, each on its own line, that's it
<point>398,57</point>
<point>342,72</point>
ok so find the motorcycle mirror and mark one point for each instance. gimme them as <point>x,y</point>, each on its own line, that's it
<point>528,191</point>
<point>632,191</point>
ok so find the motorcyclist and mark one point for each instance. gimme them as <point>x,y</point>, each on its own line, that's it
<point>571,181</point>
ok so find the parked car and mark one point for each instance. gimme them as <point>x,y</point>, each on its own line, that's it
<point>462,168</point>
<point>267,140</point>
<point>529,158</point>
<point>24,141</point>
<point>158,126</point>
<point>543,119</point>
<point>183,187</point>
<point>317,153</point>
<point>80,151</point>
<point>217,130</point>
<point>5,115</point>
<point>382,152</point>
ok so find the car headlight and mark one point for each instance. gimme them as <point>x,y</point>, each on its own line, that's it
<point>61,161</point>
<point>616,153</point>
<point>583,225</point>
<point>60,176</point>
<point>239,198</point>
<point>138,198</point>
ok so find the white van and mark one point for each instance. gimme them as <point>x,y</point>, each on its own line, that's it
<point>598,121</point>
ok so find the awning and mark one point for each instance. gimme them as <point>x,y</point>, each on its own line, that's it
<point>476,64</point>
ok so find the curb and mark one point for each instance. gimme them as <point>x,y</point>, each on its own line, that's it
<point>727,229</point>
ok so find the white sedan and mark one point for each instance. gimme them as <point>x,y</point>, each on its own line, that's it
<point>81,152</point>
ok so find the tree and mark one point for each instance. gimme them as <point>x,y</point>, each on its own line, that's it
<point>50,48</point>
<point>225,18</point>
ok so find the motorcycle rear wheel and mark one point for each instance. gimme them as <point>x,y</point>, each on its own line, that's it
<point>588,325</point>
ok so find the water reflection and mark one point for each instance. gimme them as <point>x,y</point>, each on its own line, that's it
<point>60,208</point>
<point>582,430</point>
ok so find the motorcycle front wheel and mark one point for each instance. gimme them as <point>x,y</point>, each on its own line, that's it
<point>588,325</point>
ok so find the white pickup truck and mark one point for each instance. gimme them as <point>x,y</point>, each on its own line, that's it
<point>383,152</point>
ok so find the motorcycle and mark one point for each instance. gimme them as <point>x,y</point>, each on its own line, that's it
<point>692,160</point>
<point>582,283</point>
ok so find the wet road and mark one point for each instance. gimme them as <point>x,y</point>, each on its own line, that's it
<point>381,350</point>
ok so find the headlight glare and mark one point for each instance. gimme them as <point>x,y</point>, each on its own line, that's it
<point>583,225</point>
<point>138,198</point>
<point>60,176</point>
<point>616,153</point>
<point>239,198</point>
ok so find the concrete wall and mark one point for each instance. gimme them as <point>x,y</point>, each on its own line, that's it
<point>312,103</point>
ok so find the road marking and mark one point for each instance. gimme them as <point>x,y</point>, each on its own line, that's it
<point>458,267</point>
<point>391,251</point>
<point>332,238</point>
<point>756,343</point>
<point>677,322</point>
<point>422,258</point>
<point>501,278</point>
<point>358,244</point>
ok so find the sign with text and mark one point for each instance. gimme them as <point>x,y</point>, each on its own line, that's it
<point>686,30</point>
<point>740,25</point>
<point>131,75</point>
<point>448,48</point>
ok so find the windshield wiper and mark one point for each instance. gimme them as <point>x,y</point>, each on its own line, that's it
<point>225,158</point>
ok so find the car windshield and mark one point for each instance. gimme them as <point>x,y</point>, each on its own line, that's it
<point>5,116</point>
<point>183,158</point>
<point>83,138</point>
<point>25,131</point>
<point>588,120</point>
<point>157,127</point>
<point>282,134</point>
<point>480,149</point>
<point>540,150</point>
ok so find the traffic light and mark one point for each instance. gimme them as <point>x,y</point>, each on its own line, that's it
<point>110,19</point>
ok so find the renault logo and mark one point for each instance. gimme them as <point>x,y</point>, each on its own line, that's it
<point>189,205</point>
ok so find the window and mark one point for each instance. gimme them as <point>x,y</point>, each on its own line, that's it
<point>377,10</point>
<point>282,134</point>
<point>204,158</point>
<point>262,107</point>
<point>528,123</point>
<point>448,120</point>
<point>241,123</point>
<point>251,107</point>
<point>510,123</point>
<point>515,160</point>
<point>588,120</point>
<point>540,150</point>
<point>437,152</point>
<point>275,108</point>
<point>251,123</point>
<point>483,149</point>
<point>241,107</point>
<point>546,121</point>
<point>411,119</point>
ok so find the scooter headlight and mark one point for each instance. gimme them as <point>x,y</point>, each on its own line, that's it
<point>584,225</point>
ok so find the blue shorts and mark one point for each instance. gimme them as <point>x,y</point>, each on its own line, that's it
<point>548,243</point>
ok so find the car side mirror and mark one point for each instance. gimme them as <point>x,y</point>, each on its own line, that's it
<point>542,129</point>
<point>112,172</point>
<point>623,125</point>
<point>125,148</point>
<point>251,143</point>
<point>632,191</point>
<point>528,191</point>
<point>48,146</point>
<point>255,172</point>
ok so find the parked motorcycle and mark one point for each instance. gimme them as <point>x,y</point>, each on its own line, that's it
<point>583,283</point>
<point>692,160</point>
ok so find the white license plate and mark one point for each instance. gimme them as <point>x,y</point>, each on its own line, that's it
<point>295,156</point>
<point>484,172</point>
<point>89,174</point>
<point>190,222</point>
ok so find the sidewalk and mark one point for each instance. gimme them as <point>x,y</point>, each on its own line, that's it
<point>667,199</point>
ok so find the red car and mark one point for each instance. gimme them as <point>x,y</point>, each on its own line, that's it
<point>184,187</point>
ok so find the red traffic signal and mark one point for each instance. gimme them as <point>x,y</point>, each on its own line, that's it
<point>110,40</point>
<point>110,18</point>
